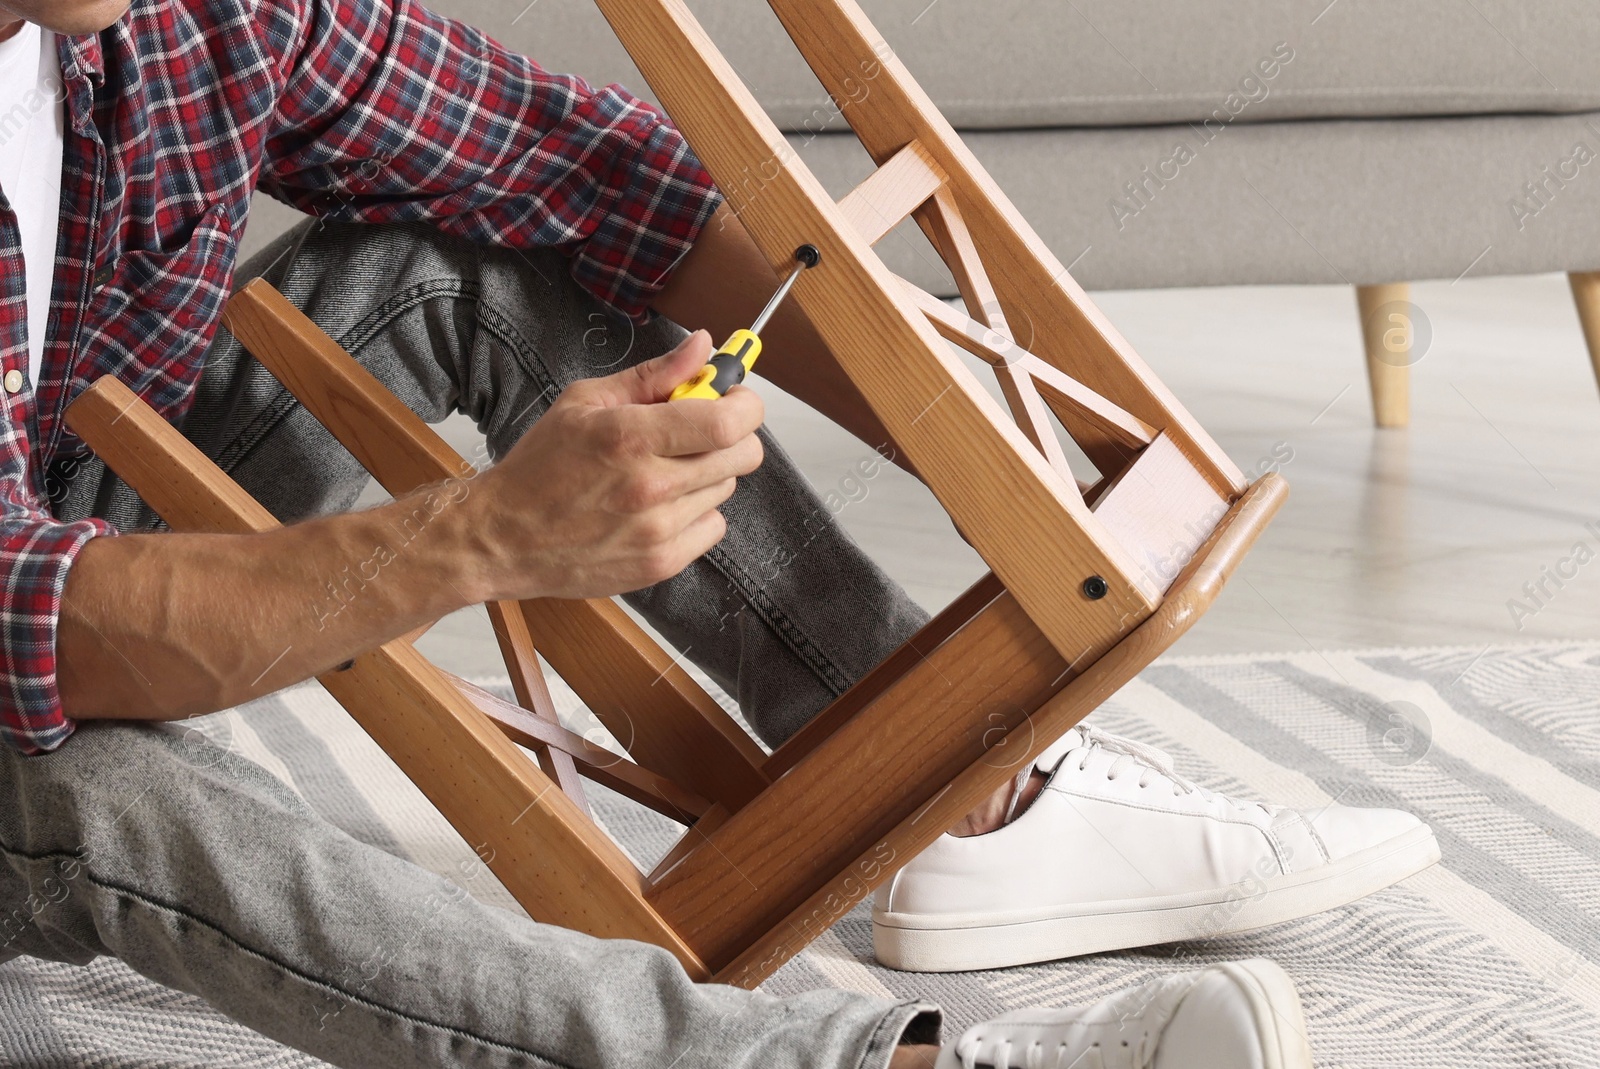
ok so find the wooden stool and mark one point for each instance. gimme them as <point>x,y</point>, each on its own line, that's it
<point>1090,581</point>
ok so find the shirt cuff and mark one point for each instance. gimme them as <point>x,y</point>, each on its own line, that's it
<point>35,557</point>
<point>660,198</point>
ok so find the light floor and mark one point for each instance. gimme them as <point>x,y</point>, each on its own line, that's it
<point>1398,537</point>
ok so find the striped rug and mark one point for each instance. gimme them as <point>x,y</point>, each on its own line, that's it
<point>1489,959</point>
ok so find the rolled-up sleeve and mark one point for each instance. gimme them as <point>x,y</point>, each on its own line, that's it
<point>36,553</point>
<point>390,113</point>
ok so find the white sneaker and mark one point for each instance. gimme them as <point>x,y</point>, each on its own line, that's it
<point>1120,851</point>
<point>1238,1015</point>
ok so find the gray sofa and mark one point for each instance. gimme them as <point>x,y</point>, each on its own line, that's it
<point>1161,144</point>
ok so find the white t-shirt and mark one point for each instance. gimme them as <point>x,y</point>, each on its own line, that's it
<point>32,118</point>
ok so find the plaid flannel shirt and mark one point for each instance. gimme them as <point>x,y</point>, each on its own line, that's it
<point>367,110</point>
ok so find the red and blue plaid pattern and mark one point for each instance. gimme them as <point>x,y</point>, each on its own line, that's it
<point>367,110</point>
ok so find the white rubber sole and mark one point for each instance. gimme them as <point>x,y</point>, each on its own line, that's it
<point>962,942</point>
<point>1275,1005</point>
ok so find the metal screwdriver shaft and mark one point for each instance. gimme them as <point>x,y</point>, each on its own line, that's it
<point>729,364</point>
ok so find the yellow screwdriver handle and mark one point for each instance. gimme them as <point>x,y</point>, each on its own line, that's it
<point>729,364</point>
<point>725,370</point>
<point>699,386</point>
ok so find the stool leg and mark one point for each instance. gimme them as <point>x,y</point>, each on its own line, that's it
<point>1388,345</point>
<point>1586,295</point>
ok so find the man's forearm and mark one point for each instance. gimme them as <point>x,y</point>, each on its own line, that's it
<point>161,626</point>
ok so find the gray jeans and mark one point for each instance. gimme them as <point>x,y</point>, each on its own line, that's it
<point>200,870</point>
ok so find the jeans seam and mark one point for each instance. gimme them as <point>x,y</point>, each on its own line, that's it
<point>523,351</point>
<point>164,907</point>
<point>375,322</point>
<point>239,448</point>
<point>363,332</point>
<point>280,408</point>
<point>381,318</point>
<point>781,625</point>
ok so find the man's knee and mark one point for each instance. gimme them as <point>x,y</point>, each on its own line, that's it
<point>112,776</point>
<point>121,808</point>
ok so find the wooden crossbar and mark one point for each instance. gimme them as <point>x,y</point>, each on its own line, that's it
<point>1031,414</point>
<point>942,219</point>
<point>891,193</point>
<point>593,761</point>
<point>528,683</point>
<point>1071,398</point>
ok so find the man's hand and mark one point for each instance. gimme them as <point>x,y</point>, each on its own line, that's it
<point>613,490</point>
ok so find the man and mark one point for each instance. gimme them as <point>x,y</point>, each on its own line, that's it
<point>481,219</point>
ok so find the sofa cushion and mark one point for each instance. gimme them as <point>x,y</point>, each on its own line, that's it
<point>1340,200</point>
<point>992,64</point>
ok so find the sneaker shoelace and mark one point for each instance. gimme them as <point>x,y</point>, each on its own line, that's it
<point>1098,1056</point>
<point>1154,766</point>
<point>1120,1032</point>
<point>1139,1054</point>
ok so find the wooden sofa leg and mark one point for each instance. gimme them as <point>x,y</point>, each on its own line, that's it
<point>1388,340</point>
<point>1586,295</point>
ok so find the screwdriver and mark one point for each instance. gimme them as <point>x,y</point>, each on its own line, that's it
<point>729,364</point>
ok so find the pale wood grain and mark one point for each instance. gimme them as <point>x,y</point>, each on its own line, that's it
<point>592,761</point>
<point>1124,433</point>
<point>1072,400</point>
<point>891,193</point>
<point>942,219</point>
<point>1161,510</point>
<point>1032,417</point>
<point>655,709</point>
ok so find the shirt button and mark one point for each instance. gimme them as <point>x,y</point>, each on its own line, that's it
<point>13,381</point>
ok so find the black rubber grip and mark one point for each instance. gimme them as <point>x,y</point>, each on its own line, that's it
<point>730,369</point>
